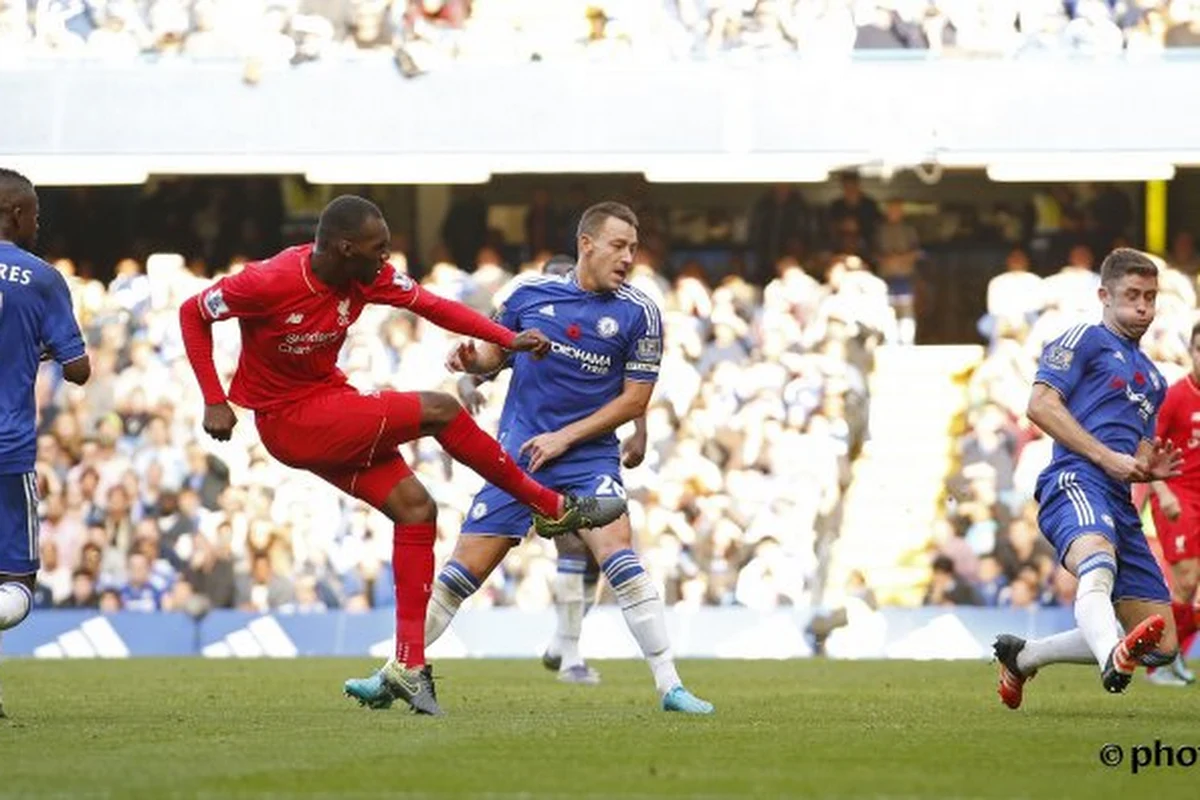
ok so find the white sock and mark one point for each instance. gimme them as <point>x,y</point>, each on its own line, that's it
<point>15,602</point>
<point>1061,648</point>
<point>443,605</point>
<point>1093,605</point>
<point>568,604</point>
<point>644,614</point>
<point>589,593</point>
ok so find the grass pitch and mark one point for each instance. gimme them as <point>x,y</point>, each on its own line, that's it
<point>195,728</point>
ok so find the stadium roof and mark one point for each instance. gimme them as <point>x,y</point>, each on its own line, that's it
<point>80,122</point>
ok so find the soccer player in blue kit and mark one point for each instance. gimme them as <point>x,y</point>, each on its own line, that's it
<point>36,321</point>
<point>1097,395</point>
<point>559,420</point>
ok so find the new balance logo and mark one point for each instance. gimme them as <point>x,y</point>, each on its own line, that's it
<point>261,638</point>
<point>547,311</point>
<point>95,638</point>
<point>295,319</point>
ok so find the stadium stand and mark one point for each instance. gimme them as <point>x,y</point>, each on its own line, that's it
<point>432,34</point>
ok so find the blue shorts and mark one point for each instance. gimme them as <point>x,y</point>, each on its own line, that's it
<point>19,524</point>
<point>497,513</point>
<point>1071,506</point>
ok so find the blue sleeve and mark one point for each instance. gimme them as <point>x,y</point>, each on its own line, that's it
<point>643,352</point>
<point>60,332</point>
<point>1063,360</point>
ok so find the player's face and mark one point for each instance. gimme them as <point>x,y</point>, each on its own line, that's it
<point>1129,303</point>
<point>608,256</point>
<point>367,254</point>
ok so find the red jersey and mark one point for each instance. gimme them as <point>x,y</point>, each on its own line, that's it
<point>293,325</point>
<point>1179,422</point>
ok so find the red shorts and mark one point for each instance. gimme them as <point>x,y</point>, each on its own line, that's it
<point>348,438</point>
<point>1180,539</point>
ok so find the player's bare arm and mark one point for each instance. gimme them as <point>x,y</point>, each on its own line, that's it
<point>78,370</point>
<point>629,405</point>
<point>633,449</point>
<point>1167,500</point>
<point>1048,411</point>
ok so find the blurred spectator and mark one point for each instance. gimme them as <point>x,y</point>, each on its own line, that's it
<point>139,593</point>
<point>947,588</point>
<point>779,226</point>
<point>263,589</point>
<point>83,591</point>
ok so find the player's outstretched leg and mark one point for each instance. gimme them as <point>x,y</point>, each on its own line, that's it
<point>646,618</point>
<point>554,513</point>
<point>1020,659</point>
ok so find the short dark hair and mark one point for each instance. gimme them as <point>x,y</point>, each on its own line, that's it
<point>343,218</point>
<point>13,185</point>
<point>595,216</point>
<point>1126,261</point>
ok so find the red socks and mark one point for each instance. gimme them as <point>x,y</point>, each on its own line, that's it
<point>467,443</point>
<point>412,569</point>
<point>1185,624</point>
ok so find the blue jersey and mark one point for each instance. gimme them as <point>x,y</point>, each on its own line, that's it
<point>1111,388</point>
<point>599,340</point>
<point>35,312</point>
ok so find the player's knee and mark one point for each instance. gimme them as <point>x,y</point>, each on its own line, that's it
<point>571,544</point>
<point>1097,573</point>
<point>439,409</point>
<point>410,504</point>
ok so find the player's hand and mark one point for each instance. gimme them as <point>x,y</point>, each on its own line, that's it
<point>1166,461</point>
<point>219,421</point>
<point>543,448</point>
<point>633,451</point>
<point>472,399</point>
<point>1125,468</point>
<point>533,342</point>
<point>462,356</point>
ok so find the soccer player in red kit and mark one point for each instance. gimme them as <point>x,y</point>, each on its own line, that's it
<point>294,310</point>
<point>1175,504</point>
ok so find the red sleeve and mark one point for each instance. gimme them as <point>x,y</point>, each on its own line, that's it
<point>394,288</point>
<point>1163,425</point>
<point>198,342</point>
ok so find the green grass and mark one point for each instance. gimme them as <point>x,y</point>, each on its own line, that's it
<point>159,728</point>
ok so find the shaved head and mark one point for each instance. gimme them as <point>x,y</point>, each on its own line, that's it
<point>344,218</point>
<point>18,208</point>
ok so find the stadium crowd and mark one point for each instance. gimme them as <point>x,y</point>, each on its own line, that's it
<point>988,547</point>
<point>431,34</point>
<point>141,511</point>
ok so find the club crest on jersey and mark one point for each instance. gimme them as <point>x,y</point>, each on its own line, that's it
<point>343,309</point>
<point>402,280</point>
<point>1058,358</point>
<point>1118,355</point>
<point>607,327</point>
<point>1107,520</point>
<point>215,305</point>
<point>479,511</point>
